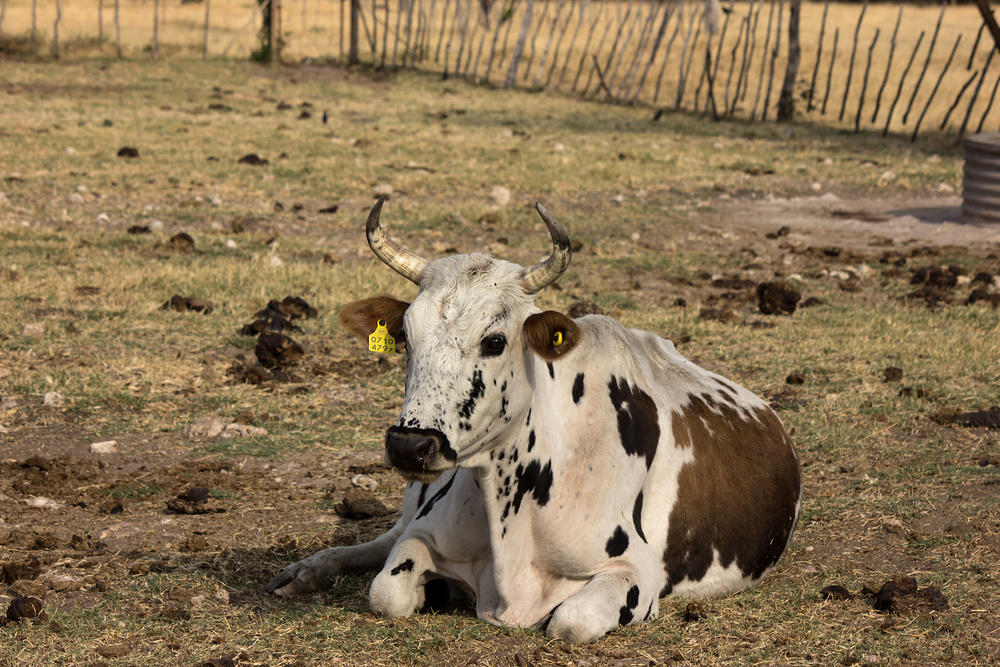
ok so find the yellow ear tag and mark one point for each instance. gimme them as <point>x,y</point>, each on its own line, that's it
<point>380,340</point>
<point>557,339</point>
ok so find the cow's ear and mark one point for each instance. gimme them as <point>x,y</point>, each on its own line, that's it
<point>551,334</point>
<point>361,317</point>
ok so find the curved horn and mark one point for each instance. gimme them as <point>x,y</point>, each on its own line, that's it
<point>396,257</point>
<point>547,271</point>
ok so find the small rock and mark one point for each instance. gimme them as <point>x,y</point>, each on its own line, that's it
<point>105,447</point>
<point>113,650</point>
<point>41,502</point>
<point>33,329</point>
<point>383,190</point>
<point>205,427</point>
<point>54,399</point>
<point>893,526</point>
<point>242,431</point>
<point>364,482</point>
<point>500,195</point>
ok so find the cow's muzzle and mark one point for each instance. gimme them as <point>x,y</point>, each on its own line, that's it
<point>420,454</point>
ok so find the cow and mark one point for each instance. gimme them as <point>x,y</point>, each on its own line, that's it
<point>564,473</point>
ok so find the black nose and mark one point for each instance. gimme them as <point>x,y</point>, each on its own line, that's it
<point>413,449</point>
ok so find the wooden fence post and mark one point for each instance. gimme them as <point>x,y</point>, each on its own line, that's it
<point>204,46</point>
<point>920,118</point>
<point>975,95</point>
<point>156,29</point>
<point>829,73</point>
<point>352,49</point>
<point>819,54</point>
<point>864,80</point>
<point>774,58</point>
<point>850,66</point>
<point>990,21</point>
<point>902,80</point>
<point>55,31</point>
<point>888,65</point>
<point>763,60</point>
<point>930,52</point>
<point>786,102</point>
<point>958,98</point>
<point>522,37</point>
<point>118,31</point>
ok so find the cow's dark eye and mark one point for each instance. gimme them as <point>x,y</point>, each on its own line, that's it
<point>493,345</point>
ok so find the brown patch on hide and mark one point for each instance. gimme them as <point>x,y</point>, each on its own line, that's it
<point>737,497</point>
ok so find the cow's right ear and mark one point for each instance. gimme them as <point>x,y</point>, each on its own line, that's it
<point>361,317</point>
<point>551,334</point>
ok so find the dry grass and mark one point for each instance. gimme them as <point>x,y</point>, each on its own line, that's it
<point>314,31</point>
<point>132,372</point>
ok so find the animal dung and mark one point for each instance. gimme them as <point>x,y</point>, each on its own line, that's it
<point>128,152</point>
<point>253,159</point>
<point>277,351</point>
<point>181,304</point>
<point>901,594</point>
<point>836,592</point>
<point>25,609</point>
<point>360,503</point>
<point>892,374</point>
<point>777,298</point>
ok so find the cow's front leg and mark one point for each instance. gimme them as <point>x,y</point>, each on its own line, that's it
<point>612,598</point>
<point>398,590</point>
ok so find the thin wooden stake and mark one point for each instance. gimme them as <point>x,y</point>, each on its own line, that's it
<point>618,40</point>
<point>522,37</point>
<point>819,56</point>
<point>850,66</point>
<point>944,72</point>
<point>55,31</point>
<point>604,36</point>
<point>930,52</point>
<point>670,44</point>
<point>652,54</point>
<point>829,74</point>
<point>540,70</point>
<point>118,31</point>
<point>562,36</point>
<point>686,70</point>
<point>582,7</point>
<point>774,59</point>
<point>902,80</point>
<point>586,46</point>
<point>633,67</point>
<point>989,106</point>
<point>747,61</point>
<point>888,64</point>
<point>534,40</point>
<point>204,45</point>
<point>958,98</point>
<point>975,95</point>
<point>864,81</point>
<point>763,61</point>
<point>745,23</point>
<point>975,45</point>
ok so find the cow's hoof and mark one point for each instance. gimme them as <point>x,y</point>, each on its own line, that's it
<point>575,624</point>
<point>306,576</point>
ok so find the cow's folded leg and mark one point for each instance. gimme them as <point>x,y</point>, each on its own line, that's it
<point>314,573</point>
<point>608,600</point>
<point>398,590</point>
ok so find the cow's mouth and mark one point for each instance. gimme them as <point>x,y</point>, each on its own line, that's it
<point>418,454</point>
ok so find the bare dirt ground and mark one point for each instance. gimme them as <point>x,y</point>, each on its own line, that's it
<point>76,523</point>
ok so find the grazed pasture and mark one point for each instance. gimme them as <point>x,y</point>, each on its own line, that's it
<point>157,552</point>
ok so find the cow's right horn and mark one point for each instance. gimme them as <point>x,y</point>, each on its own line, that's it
<point>546,272</point>
<point>396,257</point>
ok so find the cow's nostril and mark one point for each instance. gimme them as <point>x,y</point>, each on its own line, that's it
<point>413,449</point>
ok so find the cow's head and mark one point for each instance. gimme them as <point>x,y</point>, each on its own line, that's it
<point>471,336</point>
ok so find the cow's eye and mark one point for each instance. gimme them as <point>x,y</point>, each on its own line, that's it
<point>493,345</point>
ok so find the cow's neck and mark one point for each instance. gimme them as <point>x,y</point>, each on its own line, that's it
<point>517,486</point>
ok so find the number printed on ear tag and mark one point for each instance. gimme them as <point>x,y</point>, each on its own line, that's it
<point>381,340</point>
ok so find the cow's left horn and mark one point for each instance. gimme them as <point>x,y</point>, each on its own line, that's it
<point>396,257</point>
<point>547,271</point>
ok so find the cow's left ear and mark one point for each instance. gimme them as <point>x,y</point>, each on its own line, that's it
<point>551,334</point>
<point>361,317</point>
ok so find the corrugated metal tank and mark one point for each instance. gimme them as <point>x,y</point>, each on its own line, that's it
<point>981,178</point>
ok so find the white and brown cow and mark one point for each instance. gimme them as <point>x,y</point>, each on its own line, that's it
<point>566,473</point>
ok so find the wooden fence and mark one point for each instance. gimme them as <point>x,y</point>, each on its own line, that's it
<point>892,68</point>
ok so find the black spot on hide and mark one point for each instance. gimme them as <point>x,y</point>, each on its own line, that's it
<point>626,613</point>
<point>534,479</point>
<point>617,543</point>
<point>405,566</point>
<point>637,419</point>
<point>441,493</point>
<point>637,517</point>
<point>578,388</point>
<point>475,393</point>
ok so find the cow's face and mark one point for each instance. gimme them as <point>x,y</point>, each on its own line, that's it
<point>469,337</point>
